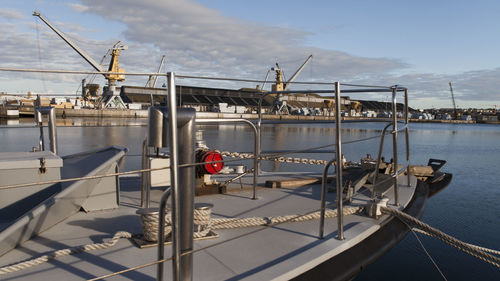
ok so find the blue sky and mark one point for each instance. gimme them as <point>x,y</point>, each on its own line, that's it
<point>420,44</point>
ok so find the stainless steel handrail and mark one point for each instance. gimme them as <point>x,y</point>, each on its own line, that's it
<point>51,112</point>
<point>323,198</point>
<point>407,136</point>
<point>174,182</point>
<point>379,156</point>
<point>161,232</point>
<point>255,150</point>
<point>177,267</point>
<point>395,144</point>
<point>182,198</point>
<point>338,155</point>
<point>394,89</point>
<point>145,180</point>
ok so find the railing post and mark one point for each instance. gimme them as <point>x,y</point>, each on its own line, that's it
<point>174,172</point>
<point>39,121</point>
<point>338,151</point>
<point>323,199</point>
<point>259,130</point>
<point>181,142</point>
<point>51,113</point>
<point>52,130</point>
<point>145,183</point>
<point>407,134</point>
<point>395,145</point>
<point>185,191</point>
<point>379,156</point>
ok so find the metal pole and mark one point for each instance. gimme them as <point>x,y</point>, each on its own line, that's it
<point>323,199</point>
<point>144,197</point>
<point>379,157</point>
<point>52,130</point>
<point>395,145</point>
<point>407,134</point>
<point>39,121</point>
<point>174,181</point>
<point>161,233</point>
<point>338,146</point>
<point>259,136</point>
<point>185,195</point>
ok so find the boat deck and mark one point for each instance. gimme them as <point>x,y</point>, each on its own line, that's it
<point>274,253</point>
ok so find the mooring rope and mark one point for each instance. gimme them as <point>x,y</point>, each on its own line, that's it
<point>487,250</point>
<point>64,252</point>
<point>225,223</point>
<point>472,250</point>
<point>203,225</point>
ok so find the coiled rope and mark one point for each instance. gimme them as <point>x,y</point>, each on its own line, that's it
<point>475,251</point>
<point>64,252</point>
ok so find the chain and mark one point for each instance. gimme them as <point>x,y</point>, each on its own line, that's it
<point>295,160</point>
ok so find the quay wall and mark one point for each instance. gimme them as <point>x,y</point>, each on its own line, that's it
<point>130,113</point>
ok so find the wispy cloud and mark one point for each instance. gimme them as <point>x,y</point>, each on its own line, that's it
<point>79,7</point>
<point>10,14</point>
<point>197,38</point>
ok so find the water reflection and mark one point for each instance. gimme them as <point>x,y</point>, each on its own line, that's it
<point>471,151</point>
<point>78,122</point>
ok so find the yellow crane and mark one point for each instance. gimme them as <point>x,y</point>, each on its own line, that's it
<point>111,96</point>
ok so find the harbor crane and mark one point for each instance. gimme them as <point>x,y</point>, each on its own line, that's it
<point>111,96</point>
<point>279,85</point>
<point>454,105</point>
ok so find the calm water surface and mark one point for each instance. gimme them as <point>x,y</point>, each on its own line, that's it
<point>468,209</point>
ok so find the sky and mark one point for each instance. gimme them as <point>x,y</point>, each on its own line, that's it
<point>422,45</point>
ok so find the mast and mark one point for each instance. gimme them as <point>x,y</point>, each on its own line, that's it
<point>453,99</point>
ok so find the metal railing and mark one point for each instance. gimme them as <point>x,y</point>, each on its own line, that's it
<point>338,141</point>
<point>182,165</point>
<point>51,112</point>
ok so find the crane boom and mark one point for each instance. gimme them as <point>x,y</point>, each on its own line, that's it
<point>81,52</point>
<point>152,81</point>
<point>453,99</point>
<point>297,72</point>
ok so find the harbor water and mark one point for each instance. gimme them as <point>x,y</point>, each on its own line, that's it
<point>469,209</point>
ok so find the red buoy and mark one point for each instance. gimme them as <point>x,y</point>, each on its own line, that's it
<point>211,156</point>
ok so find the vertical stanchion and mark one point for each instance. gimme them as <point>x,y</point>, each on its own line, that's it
<point>338,151</point>
<point>174,182</point>
<point>185,198</point>
<point>144,182</point>
<point>52,130</point>
<point>259,130</point>
<point>407,134</point>
<point>181,131</point>
<point>395,145</point>
<point>51,113</point>
<point>39,121</point>
<point>323,199</point>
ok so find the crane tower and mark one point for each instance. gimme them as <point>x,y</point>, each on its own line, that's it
<point>111,96</point>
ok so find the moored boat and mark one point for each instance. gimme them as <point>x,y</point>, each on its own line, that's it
<point>252,232</point>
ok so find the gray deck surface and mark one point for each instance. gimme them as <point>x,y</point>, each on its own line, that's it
<point>275,253</point>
